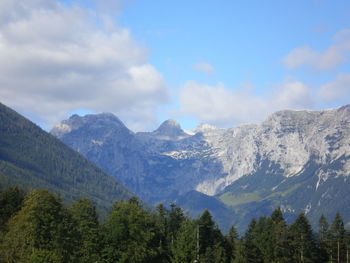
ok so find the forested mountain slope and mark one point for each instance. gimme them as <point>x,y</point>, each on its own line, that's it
<point>32,158</point>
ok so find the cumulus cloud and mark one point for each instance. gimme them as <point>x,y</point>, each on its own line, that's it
<point>337,90</point>
<point>291,95</point>
<point>204,67</point>
<point>55,59</point>
<point>331,57</point>
<point>221,106</point>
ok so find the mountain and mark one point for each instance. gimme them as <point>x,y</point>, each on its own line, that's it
<point>143,162</point>
<point>298,160</point>
<point>33,158</point>
<point>167,131</point>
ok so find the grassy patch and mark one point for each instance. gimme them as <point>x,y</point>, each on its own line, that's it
<point>232,200</point>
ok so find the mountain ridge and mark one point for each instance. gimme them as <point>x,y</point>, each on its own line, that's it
<point>33,158</point>
<point>287,154</point>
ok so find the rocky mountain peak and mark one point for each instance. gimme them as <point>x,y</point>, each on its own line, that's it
<point>169,124</point>
<point>204,127</point>
<point>298,160</point>
<point>94,121</point>
<point>170,129</point>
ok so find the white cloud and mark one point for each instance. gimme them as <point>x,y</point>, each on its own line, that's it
<point>331,57</point>
<point>292,95</point>
<point>337,90</point>
<point>204,67</point>
<point>224,107</point>
<point>55,59</point>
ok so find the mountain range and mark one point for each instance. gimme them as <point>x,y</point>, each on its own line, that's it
<point>31,158</point>
<point>298,160</point>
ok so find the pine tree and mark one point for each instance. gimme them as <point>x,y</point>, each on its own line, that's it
<point>264,239</point>
<point>130,234</point>
<point>324,239</point>
<point>279,237</point>
<point>206,227</point>
<point>239,256</point>
<point>337,234</point>
<point>303,242</point>
<point>252,253</point>
<point>161,220</point>
<point>232,240</point>
<point>11,201</point>
<point>185,248</point>
<point>176,217</point>
<point>210,239</point>
<point>87,228</point>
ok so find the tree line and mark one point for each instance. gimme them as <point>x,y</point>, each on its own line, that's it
<point>36,227</point>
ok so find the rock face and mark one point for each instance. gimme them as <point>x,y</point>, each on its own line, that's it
<point>289,139</point>
<point>159,165</point>
<point>294,159</point>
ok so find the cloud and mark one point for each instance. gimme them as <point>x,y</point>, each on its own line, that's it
<point>221,106</point>
<point>331,57</point>
<point>337,90</point>
<point>204,67</point>
<point>55,59</point>
<point>291,95</point>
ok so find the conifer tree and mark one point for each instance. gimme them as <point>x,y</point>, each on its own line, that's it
<point>279,237</point>
<point>232,239</point>
<point>130,234</point>
<point>185,248</point>
<point>11,201</point>
<point>324,239</point>
<point>206,227</point>
<point>252,253</point>
<point>211,241</point>
<point>337,235</point>
<point>176,217</point>
<point>87,228</point>
<point>303,243</point>
<point>239,256</point>
<point>161,220</point>
<point>264,239</point>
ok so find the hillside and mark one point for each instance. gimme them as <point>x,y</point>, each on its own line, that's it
<point>32,158</point>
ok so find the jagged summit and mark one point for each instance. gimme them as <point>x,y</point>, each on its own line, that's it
<point>75,122</point>
<point>169,126</point>
<point>203,127</point>
<point>170,130</point>
<point>296,159</point>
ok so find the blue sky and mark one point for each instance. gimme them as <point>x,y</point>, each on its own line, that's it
<point>221,62</point>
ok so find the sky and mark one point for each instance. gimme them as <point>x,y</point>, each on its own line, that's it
<point>220,62</point>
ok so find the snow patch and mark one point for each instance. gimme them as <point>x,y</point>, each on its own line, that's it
<point>99,143</point>
<point>307,208</point>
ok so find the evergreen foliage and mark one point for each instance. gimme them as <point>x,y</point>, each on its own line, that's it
<point>87,229</point>
<point>185,248</point>
<point>337,239</point>
<point>303,243</point>
<point>33,159</point>
<point>232,239</point>
<point>41,230</point>
<point>131,234</point>
<point>11,200</point>
<point>324,239</point>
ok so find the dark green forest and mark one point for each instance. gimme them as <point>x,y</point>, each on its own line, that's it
<point>37,227</point>
<point>32,158</point>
